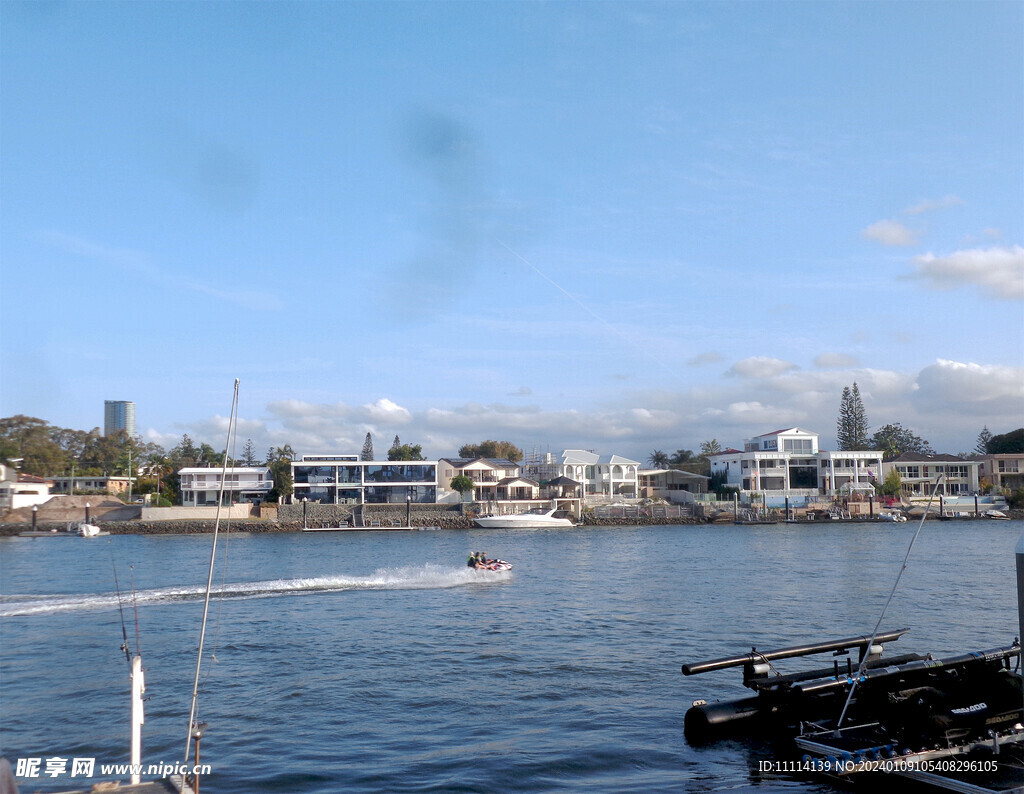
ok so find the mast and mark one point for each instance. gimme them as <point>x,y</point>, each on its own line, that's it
<point>209,579</point>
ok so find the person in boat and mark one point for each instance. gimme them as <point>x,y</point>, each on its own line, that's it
<point>471,562</point>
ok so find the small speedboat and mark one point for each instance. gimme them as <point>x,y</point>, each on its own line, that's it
<point>893,516</point>
<point>998,515</point>
<point>532,519</point>
<point>89,530</point>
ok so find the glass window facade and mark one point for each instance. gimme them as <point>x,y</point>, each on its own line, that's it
<point>314,474</point>
<point>400,472</point>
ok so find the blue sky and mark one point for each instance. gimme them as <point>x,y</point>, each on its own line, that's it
<point>621,226</point>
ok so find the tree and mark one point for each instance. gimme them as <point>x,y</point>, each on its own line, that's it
<point>462,484</point>
<point>30,439</point>
<point>367,453</point>
<point>894,439</point>
<point>1007,443</point>
<point>852,423</point>
<point>709,448</point>
<point>681,457</point>
<point>718,484</point>
<point>280,465</point>
<point>492,449</point>
<point>984,437</point>
<point>248,454</point>
<point>658,459</point>
<point>186,452</point>
<point>405,452</point>
<point>892,483</point>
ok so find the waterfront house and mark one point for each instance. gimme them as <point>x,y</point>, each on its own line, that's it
<point>200,486</point>
<point>789,462</point>
<point>672,485</point>
<point>98,483</point>
<point>21,490</point>
<point>604,477</point>
<point>919,472</point>
<point>344,479</point>
<point>494,479</point>
<point>1003,471</point>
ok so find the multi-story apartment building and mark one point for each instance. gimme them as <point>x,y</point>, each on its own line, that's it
<point>789,461</point>
<point>118,415</point>
<point>201,486</point>
<point>344,479</point>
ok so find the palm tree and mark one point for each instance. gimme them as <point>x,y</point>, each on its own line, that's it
<point>709,448</point>
<point>658,459</point>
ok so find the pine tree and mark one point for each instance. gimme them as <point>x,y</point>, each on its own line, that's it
<point>852,423</point>
<point>367,453</point>
<point>249,453</point>
<point>984,437</point>
<point>395,445</point>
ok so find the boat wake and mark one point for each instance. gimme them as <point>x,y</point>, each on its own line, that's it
<point>426,577</point>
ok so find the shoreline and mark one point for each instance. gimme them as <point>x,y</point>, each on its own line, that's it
<point>267,526</point>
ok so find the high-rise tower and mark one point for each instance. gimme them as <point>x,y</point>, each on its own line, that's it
<point>118,415</point>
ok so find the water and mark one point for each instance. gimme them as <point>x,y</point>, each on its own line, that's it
<point>377,661</point>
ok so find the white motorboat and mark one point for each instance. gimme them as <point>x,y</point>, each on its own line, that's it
<point>532,519</point>
<point>892,516</point>
<point>998,515</point>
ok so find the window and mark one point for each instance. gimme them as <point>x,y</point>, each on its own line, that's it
<point>797,445</point>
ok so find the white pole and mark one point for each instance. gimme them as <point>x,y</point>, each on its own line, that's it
<point>138,717</point>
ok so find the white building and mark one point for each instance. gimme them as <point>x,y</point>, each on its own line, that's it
<point>602,476</point>
<point>494,479</point>
<point>344,479</point>
<point>789,462</point>
<point>919,474</point>
<point>21,490</point>
<point>201,487</point>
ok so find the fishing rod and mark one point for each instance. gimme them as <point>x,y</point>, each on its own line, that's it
<point>874,634</point>
<point>195,731</point>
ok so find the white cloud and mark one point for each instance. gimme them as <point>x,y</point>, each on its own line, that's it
<point>891,233</point>
<point>981,389</point>
<point>760,367</point>
<point>946,402</point>
<point>385,412</point>
<point>998,271</point>
<point>930,205</point>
